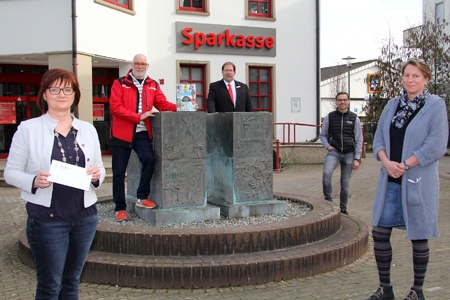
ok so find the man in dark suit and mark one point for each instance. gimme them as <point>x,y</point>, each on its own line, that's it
<point>228,95</point>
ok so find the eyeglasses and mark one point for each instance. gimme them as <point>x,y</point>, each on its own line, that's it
<point>140,64</point>
<point>57,90</point>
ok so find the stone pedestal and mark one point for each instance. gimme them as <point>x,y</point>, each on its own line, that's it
<point>240,158</point>
<point>178,185</point>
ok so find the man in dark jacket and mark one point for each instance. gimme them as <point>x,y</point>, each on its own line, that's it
<point>132,99</point>
<point>227,94</point>
<point>341,135</point>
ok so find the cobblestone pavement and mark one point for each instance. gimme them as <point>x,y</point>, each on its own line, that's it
<point>354,281</point>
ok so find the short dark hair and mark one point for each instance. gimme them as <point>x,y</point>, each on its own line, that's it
<point>61,75</point>
<point>229,63</point>
<point>341,93</point>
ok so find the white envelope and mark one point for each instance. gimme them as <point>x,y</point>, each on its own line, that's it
<point>69,175</point>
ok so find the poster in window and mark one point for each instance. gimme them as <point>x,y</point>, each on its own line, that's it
<point>99,112</point>
<point>185,97</point>
<point>7,112</point>
<point>374,83</point>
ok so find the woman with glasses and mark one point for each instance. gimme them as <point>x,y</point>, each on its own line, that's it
<point>410,139</point>
<point>62,220</point>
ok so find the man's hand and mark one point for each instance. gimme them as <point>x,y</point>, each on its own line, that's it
<point>150,113</point>
<point>355,164</point>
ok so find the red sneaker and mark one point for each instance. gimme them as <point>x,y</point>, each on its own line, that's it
<point>147,203</point>
<point>122,215</point>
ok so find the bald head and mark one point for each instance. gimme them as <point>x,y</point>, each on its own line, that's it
<point>139,66</point>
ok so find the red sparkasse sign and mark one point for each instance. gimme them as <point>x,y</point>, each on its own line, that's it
<point>229,40</point>
<point>225,39</point>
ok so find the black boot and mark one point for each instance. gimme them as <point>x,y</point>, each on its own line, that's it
<point>415,295</point>
<point>383,293</point>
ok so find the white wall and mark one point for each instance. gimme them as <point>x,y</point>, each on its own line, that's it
<point>35,26</point>
<point>296,66</point>
<point>110,32</point>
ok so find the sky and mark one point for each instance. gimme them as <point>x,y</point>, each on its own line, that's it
<point>358,28</point>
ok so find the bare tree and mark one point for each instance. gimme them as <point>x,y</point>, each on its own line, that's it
<point>336,75</point>
<point>427,42</point>
<point>339,84</point>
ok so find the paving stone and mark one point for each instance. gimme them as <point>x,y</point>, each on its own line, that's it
<point>354,281</point>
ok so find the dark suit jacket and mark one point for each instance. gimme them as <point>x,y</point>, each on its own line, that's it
<point>219,99</point>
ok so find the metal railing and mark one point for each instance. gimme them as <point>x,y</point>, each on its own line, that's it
<point>287,132</point>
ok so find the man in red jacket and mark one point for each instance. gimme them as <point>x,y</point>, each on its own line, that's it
<point>132,99</point>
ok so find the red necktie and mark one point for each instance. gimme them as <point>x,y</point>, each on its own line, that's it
<point>230,90</point>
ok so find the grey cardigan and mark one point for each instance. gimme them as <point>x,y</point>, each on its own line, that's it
<point>31,151</point>
<point>426,138</point>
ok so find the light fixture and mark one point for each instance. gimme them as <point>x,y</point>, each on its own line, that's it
<point>349,65</point>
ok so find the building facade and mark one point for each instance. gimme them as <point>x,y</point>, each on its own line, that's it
<point>364,81</point>
<point>274,45</point>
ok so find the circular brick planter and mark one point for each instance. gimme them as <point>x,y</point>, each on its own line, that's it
<point>141,257</point>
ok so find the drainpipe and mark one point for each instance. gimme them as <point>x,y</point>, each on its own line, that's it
<point>318,64</point>
<point>74,43</point>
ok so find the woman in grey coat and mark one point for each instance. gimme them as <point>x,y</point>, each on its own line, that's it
<point>411,137</point>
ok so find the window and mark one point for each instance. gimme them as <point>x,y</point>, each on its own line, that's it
<point>18,90</point>
<point>193,6</point>
<point>195,74</point>
<point>121,3</point>
<point>102,80</point>
<point>13,89</point>
<point>439,13</point>
<point>125,6</point>
<point>260,8</point>
<point>260,79</point>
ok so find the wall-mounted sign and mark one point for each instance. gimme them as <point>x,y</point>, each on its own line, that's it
<point>221,39</point>
<point>7,112</point>
<point>373,83</point>
<point>296,105</point>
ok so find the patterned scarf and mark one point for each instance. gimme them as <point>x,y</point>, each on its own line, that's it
<point>407,107</point>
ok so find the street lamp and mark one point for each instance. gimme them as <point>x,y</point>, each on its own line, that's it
<point>349,65</point>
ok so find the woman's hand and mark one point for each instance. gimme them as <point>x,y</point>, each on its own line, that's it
<point>95,171</point>
<point>40,181</point>
<point>394,169</point>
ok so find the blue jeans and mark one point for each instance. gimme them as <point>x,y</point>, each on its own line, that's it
<point>392,215</point>
<point>331,162</point>
<point>59,251</point>
<point>120,157</point>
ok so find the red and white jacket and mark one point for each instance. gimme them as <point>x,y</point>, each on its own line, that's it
<point>124,105</point>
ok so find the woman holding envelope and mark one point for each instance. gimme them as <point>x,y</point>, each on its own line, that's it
<point>62,219</point>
